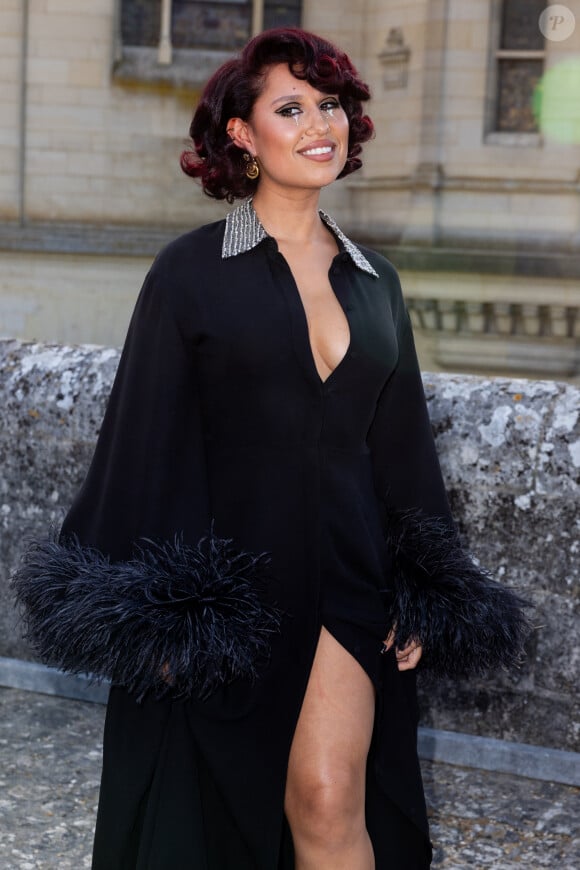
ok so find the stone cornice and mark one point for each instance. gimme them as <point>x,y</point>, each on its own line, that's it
<point>84,238</point>
<point>432,177</point>
<point>519,260</point>
<point>189,69</point>
<point>538,256</point>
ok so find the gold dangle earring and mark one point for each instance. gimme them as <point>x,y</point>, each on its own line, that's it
<point>252,168</point>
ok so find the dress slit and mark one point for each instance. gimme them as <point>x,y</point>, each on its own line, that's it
<point>356,642</point>
<point>396,841</point>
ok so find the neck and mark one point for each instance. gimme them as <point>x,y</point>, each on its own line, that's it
<point>289,218</point>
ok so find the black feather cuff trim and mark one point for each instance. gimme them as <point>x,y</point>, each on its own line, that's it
<point>173,619</point>
<point>467,622</point>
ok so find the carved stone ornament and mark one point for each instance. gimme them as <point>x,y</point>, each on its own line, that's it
<point>395,58</point>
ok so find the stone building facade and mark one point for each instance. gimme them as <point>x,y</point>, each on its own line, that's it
<point>471,185</point>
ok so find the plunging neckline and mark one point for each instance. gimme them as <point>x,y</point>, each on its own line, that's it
<point>306,331</point>
<point>333,371</point>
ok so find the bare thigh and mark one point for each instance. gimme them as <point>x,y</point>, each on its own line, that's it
<point>334,729</point>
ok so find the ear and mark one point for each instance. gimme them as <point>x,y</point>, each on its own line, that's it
<point>240,134</point>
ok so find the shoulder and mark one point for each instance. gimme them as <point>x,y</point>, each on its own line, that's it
<point>185,266</point>
<point>383,266</point>
<point>200,248</point>
<point>388,282</point>
<point>180,269</point>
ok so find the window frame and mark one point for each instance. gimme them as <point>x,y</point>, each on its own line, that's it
<point>493,136</point>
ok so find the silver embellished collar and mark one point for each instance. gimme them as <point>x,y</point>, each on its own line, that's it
<point>244,231</point>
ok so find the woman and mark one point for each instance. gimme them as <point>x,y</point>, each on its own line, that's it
<point>262,550</point>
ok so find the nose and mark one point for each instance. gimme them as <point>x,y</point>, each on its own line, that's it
<point>317,121</point>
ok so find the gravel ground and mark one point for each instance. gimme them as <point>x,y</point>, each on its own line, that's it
<point>49,775</point>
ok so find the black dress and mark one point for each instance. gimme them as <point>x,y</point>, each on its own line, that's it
<point>220,426</point>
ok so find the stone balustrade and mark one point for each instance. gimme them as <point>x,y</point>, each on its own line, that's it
<point>495,336</point>
<point>510,452</point>
<point>496,318</point>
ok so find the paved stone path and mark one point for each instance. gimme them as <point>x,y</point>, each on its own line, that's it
<point>49,775</point>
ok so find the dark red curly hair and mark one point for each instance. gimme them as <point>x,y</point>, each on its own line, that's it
<point>233,89</point>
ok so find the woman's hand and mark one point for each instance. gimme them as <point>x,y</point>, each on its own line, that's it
<point>409,656</point>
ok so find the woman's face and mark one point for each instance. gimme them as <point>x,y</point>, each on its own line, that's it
<point>298,134</point>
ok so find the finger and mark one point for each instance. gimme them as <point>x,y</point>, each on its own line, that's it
<point>390,640</point>
<point>408,648</point>
<point>408,651</point>
<point>411,660</point>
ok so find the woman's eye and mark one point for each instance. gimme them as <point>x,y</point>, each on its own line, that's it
<point>329,105</point>
<point>289,111</point>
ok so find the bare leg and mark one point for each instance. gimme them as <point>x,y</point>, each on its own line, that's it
<point>325,790</point>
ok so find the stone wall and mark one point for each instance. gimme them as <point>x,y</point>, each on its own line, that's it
<point>510,452</point>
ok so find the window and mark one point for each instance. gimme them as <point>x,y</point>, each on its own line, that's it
<point>282,14</point>
<point>198,24</point>
<point>180,43</point>
<point>225,25</point>
<point>519,65</point>
<point>140,20</point>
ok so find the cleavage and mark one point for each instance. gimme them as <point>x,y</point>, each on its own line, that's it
<point>328,329</point>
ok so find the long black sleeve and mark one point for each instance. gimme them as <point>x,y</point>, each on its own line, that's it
<point>137,588</point>
<point>437,594</point>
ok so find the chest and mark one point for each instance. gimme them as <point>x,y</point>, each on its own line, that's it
<point>326,319</point>
<point>263,323</point>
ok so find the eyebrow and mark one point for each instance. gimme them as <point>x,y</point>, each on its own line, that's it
<point>297,98</point>
<point>285,99</point>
